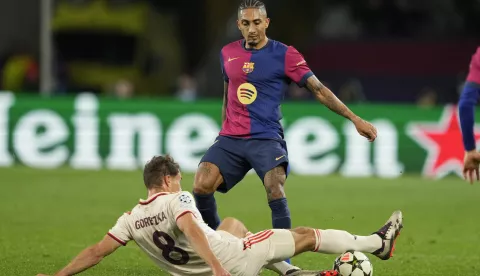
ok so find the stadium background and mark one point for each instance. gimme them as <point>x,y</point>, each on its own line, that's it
<point>90,90</point>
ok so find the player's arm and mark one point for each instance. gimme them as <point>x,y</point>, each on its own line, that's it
<point>327,98</point>
<point>90,256</point>
<point>188,225</point>
<point>466,108</point>
<point>297,70</point>
<point>225,100</point>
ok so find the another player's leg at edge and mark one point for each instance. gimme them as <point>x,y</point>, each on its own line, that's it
<point>380,244</point>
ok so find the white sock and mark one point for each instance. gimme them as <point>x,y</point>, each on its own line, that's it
<point>339,241</point>
<point>281,267</point>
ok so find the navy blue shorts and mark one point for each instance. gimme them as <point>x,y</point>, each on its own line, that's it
<point>235,157</point>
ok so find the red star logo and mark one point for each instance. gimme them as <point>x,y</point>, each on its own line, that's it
<point>443,141</point>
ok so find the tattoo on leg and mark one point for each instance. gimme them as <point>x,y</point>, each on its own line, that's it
<point>205,169</point>
<point>269,193</point>
<point>274,181</point>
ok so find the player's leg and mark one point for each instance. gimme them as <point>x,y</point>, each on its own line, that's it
<point>207,180</point>
<point>278,244</point>
<point>234,227</point>
<point>268,248</point>
<point>239,230</point>
<point>269,158</point>
<point>274,182</point>
<point>220,169</point>
<point>380,243</point>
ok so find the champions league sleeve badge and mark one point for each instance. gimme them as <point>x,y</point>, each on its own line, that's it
<point>185,200</point>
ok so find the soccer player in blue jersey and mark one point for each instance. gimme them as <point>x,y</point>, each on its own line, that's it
<point>466,107</point>
<point>257,72</point>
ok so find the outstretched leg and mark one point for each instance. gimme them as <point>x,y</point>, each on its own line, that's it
<point>380,243</point>
<point>207,180</point>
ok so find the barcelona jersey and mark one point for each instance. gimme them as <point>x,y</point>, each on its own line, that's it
<point>474,71</point>
<point>257,82</point>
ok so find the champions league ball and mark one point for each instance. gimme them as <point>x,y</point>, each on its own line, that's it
<point>353,263</point>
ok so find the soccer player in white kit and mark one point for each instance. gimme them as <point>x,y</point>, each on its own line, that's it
<point>168,227</point>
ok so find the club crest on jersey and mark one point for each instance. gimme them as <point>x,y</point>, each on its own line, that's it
<point>248,67</point>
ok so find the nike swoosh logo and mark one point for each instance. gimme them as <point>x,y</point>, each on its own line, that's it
<point>301,62</point>
<point>215,142</point>
<point>278,158</point>
<point>230,59</point>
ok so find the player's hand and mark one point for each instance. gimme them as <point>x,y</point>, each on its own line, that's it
<point>218,270</point>
<point>471,164</point>
<point>42,275</point>
<point>365,129</point>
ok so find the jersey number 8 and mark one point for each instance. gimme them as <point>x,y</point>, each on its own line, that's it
<point>163,241</point>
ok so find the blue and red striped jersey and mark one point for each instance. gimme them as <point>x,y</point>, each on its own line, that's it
<point>257,83</point>
<point>468,100</point>
<point>474,71</point>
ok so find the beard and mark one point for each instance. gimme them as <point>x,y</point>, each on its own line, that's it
<point>253,42</point>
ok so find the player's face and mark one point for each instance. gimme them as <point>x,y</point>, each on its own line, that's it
<point>176,183</point>
<point>173,183</point>
<point>253,24</point>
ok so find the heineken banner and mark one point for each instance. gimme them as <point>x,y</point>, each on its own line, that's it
<point>87,132</point>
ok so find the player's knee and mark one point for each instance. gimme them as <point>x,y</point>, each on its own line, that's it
<point>234,227</point>
<point>274,181</point>
<point>305,236</point>
<point>237,223</point>
<point>202,186</point>
<point>274,190</point>
<point>202,189</point>
<point>207,179</point>
<point>302,230</point>
<point>233,220</point>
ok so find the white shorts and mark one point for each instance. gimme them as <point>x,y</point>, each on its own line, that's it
<point>247,256</point>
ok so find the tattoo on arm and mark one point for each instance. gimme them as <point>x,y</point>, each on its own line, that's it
<point>326,97</point>
<point>225,100</point>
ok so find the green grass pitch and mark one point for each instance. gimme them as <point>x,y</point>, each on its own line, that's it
<point>49,216</point>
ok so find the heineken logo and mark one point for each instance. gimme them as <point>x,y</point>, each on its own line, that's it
<point>443,142</point>
<point>85,133</point>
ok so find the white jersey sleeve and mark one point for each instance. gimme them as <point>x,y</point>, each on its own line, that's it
<point>120,231</point>
<point>184,204</point>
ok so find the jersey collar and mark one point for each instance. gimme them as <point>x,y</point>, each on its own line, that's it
<point>152,198</point>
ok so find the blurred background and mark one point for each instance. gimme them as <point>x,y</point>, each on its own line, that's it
<point>143,77</point>
<point>399,51</point>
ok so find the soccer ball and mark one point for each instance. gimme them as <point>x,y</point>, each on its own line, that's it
<point>353,263</point>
